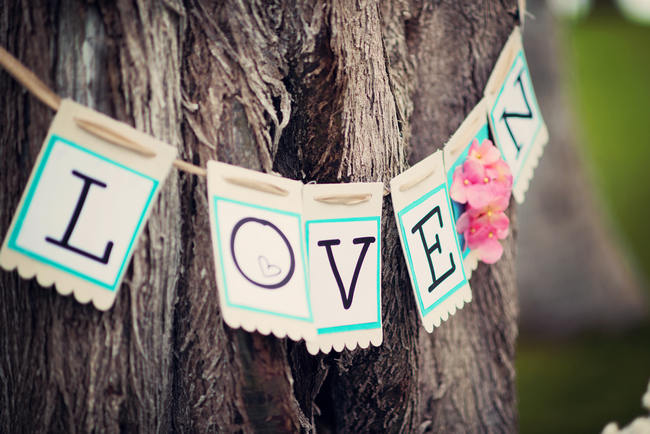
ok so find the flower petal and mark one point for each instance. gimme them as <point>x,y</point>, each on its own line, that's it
<point>489,152</point>
<point>477,234</point>
<point>463,223</point>
<point>474,171</point>
<point>457,191</point>
<point>473,147</point>
<point>478,196</point>
<point>500,200</point>
<point>490,251</point>
<point>499,169</point>
<point>499,221</point>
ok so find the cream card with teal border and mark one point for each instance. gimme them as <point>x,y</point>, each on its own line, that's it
<point>84,206</point>
<point>475,126</point>
<point>515,119</point>
<point>259,251</point>
<point>429,240</point>
<point>343,237</point>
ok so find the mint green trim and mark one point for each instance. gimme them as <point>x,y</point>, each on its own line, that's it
<point>349,328</point>
<point>358,326</point>
<point>534,99</point>
<point>417,202</point>
<point>309,318</point>
<point>350,219</point>
<point>54,139</point>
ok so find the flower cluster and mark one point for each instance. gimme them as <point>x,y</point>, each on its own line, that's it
<point>484,183</point>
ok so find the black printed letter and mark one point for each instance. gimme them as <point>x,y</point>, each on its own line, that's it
<point>506,115</point>
<point>268,269</point>
<point>366,241</point>
<point>64,242</point>
<point>432,248</point>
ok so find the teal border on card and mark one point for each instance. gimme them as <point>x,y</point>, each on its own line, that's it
<point>358,326</point>
<point>539,112</point>
<point>309,318</point>
<point>415,203</point>
<point>54,139</point>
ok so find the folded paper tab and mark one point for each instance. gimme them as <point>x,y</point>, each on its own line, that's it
<point>260,262</point>
<point>343,235</point>
<point>455,152</point>
<point>514,116</point>
<point>85,205</point>
<point>429,241</point>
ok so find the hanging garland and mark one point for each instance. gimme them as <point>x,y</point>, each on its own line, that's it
<point>295,260</point>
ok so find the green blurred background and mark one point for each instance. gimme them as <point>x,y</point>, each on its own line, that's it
<point>579,384</point>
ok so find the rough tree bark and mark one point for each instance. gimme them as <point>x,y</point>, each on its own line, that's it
<point>331,92</point>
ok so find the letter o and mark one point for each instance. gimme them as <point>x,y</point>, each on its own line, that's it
<point>292,258</point>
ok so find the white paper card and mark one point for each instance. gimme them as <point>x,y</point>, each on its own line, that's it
<point>84,206</point>
<point>428,236</point>
<point>344,256</point>
<point>259,252</point>
<point>475,126</point>
<point>515,119</point>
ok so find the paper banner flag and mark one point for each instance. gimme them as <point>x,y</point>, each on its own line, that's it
<point>260,261</point>
<point>428,236</point>
<point>475,126</point>
<point>84,206</point>
<point>515,119</point>
<point>343,233</point>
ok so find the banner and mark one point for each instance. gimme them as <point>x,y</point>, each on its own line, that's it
<point>343,236</point>
<point>85,205</point>
<point>295,260</point>
<point>429,240</point>
<point>259,252</point>
<point>514,116</point>
<point>474,127</point>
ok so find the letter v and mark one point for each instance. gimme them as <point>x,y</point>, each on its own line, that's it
<point>366,241</point>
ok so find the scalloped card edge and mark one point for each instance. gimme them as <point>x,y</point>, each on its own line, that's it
<point>295,329</point>
<point>507,58</point>
<point>372,209</point>
<point>350,340</point>
<point>447,308</point>
<point>426,172</point>
<point>158,167</point>
<point>470,263</point>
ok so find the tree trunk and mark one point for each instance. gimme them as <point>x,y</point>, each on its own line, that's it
<point>587,283</point>
<point>331,92</point>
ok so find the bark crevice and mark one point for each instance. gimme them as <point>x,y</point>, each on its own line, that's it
<point>320,91</point>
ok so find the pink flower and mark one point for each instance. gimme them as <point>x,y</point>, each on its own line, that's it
<point>482,232</point>
<point>499,173</point>
<point>471,184</point>
<point>482,194</point>
<point>485,153</point>
<point>484,182</point>
<point>490,251</point>
<point>496,205</point>
<point>495,222</point>
<point>466,177</point>
<point>477,225</point>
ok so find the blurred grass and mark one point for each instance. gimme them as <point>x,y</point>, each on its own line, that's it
<point>579,386</point>
<point>609,63</point>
